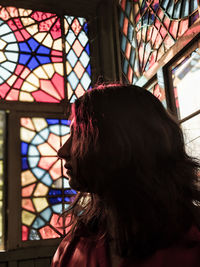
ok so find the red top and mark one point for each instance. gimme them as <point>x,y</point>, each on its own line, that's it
<point>82,252</point>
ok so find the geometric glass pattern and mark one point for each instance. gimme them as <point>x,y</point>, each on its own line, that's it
<point>186,77</point>
<point>31,56</point>
<point>45,190</point>
<point>148,29</point>
<point>78,57</point>
<point>159,92</point>
<point>2,134</point>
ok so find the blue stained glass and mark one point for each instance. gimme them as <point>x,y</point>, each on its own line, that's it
<point>44,133</point>
<point>9,66</point>
<point>185,8</point>
<point>165,3</point>
<point>70,37</point>
<point>73,80</point>
<point>64,130</point>
<point>9,38</point>
<point>70,192</point>
<point>38,223</point>
<point>132,57</point>
<point>12,47</point>
<point>55,129</point>
<point>52,121</point>
<point>55,200</point>
<point>85,80</point>
<point>85,27</point>
<point>123,43</point>
<point>57,208</point>
<point>5,74</point>
<point>69,19</point>
<point>73,99</point>
<point>24,148</point>
<point>32,151</point>
<point>33,44</point>
<point>89,70</point>
<point>1,22</point>
<point>37,140</point>
<point>83,38</point>
<point>33,63</point>
<point>67,199</point>
<point>24,47</point>
<point>87,49</point>
<point>72,58</point>
<point>128,8</point>
<point>47,180</point>
<point>23,58</point>
<point>46,214</point>
<point>170,8</point>
<point>66,206</point>
<point>84,58</point>
<point>33,161</point>
<point>38,172</point>
<point>81,20</point>
<point>24,164</point>
<point>66,122</point>
<point>194,5</point>
<point>125,66</point>
<point>130,32</point>
<point>1,81</point>
<point>55,192</point>
<point>34,235</point>
<point>43,50</point>
<point>177,10</point>
<point>121,20</point>
<point>43,59</point>
<point>12,56</point>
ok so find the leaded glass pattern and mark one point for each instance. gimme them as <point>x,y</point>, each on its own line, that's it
<point>78,57</point>
<point>159,92</point>
<point>44,188</point>
<point>2,133</point>
<point>32,56</point>
<point>157,24</point>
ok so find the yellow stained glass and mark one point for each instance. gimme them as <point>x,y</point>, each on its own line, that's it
<point>23,96</point>
<point>55,171</point>
<point>48,41</point>
<point>24,12</point>
<point>29,87</point>
<point>26,134</point>
<point>33,80</point>
<point>39,123</point>
<point>46,150</point>
<point>40,203</point>
<point>27,122</point>
<point>67,47</point>
<point>68,67</point>
<point>32,29</point>
<point>2,57</point>
<point>58,44</point>
<point>64,138</point>
<point>27,217</point>
<point>27,21</point>
<point>49,70</point>
<point>11,80</point>
<point>69,91</point>
<point>40,36</point>
<point>41,190</point>
<point>40,73</point>
<point>27,178</point>
<point>59,68</point>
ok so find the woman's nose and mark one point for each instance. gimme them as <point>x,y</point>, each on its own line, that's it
<point>64,151</point>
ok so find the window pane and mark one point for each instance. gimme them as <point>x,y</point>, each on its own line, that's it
<point>191,130</point>
<point>2,132</point>
<point>43,184</point>
<point>186,78</point>
<point>78,56</point>
<point>159,92</point>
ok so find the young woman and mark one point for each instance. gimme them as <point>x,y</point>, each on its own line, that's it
<point>138,199</point>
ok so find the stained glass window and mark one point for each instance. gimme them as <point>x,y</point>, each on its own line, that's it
<point>159,92</point>
<point>2,132</point>
<point>149,28</point>
<point>32,53</point>
<point>44,188</point>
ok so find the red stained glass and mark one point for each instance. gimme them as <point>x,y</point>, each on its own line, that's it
<point>46,162</point>
<point>41,96</point>
<point>56,222</point>
<point>24,233</point>
<point>183,26</point>
<point>130,74</point>
<point>47,232</point>
<point>125,28</point>
<point>76,27</point>
<point>13,95</point>
<point>3,90</point>
<point>77,47</point>
<point>47,86</point>
<point>28,205</point>
<point>79,69</point>
<point>28,190</point>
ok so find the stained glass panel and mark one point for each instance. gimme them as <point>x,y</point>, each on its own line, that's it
<point>186,77</point>
<point>78,57</point>
<point>2,132</point>
<point>44,188</point>
<point>149,28</point>
<point>159,92</point>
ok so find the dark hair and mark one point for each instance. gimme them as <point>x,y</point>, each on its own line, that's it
<point>137,175</point>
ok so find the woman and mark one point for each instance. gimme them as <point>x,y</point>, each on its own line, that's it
<point>138,200</point>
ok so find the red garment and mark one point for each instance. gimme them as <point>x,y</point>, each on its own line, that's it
<point>83,252</point>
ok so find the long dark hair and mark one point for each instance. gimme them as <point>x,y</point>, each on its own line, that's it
<point>137,175</point>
